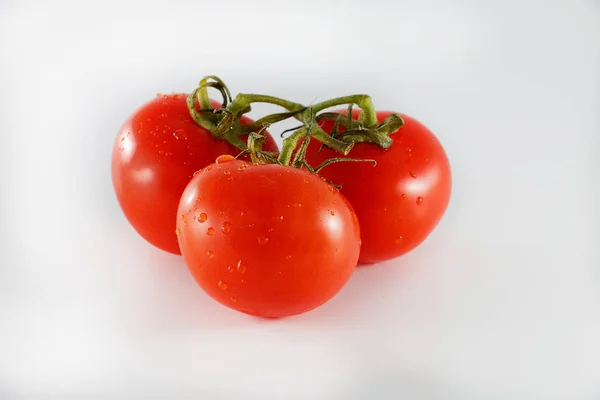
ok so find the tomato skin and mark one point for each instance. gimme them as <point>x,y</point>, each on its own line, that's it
<point>401,200</point>
<point>155,154</point>
<point>267,240</point>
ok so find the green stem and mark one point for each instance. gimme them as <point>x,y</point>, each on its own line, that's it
<point>368,114</point>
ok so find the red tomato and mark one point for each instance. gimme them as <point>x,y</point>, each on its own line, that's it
<point>399,201</point>
<point>157,151</point>
<point>267,240</point>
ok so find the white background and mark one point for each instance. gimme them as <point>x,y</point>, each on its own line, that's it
<point>501,302</point>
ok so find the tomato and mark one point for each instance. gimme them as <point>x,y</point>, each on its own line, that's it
<point>156,152</point>
<point>400,200</point>
<point>267,240</point>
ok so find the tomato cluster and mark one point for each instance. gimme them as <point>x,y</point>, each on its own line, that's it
<point>272,232</point>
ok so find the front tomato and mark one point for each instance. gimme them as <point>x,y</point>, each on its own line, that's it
<point>267,240</point>
<point>156,152</point>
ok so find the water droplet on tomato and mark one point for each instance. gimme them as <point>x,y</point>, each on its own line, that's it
<point>227,172</point>
<point>288,257</point>
<point>413,175</point>
<point>306,181</point>
<point>242,167</point>
<point>208,168</point>
<point>176,96</point>
<point>241,267</point>
<point>226,227</point>
<point>210,254</point>
<point>182,217</point>
<point>332,189</point>
<point>297,205</point>
<point>123,139</point>
<point>202,217</point>
<point>419,200</point>
<point>399,239</point>
<point>210,231</point>
<point>197,172</point>
<point>177,231</point>
<point>164,115</point>
<point>409,150</point>
<point>230,268</point>
<point>184,223</point>
<point>233,299</point>
<point>222,285</point>
<point>403,196</point>
<point>332,212</point>
<point>263,240</point>
<point>281,218</point>
<point>225,158</point>
<point>219,166</point>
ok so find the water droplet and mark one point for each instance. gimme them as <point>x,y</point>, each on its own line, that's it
<point>241,267</point>
<point>243,167</point>
<point>230,268</point>
<point>227,172</point>
<point>398,239</point>
<point>219,166</point>
<point>226,227</point>
<point>332,212</point>
<point>332,189</point>
<point>177,231</point>
<point>306,181</point>
<point>233,299</point>
<point>413,175</point>
<point>210,231</point>
<point>208,168</point>
<point>297,205</point>
<point>176,96</point>
<point>419,200</point>
<point>182,217</point>
<point>262,239</point>
<point>202,217</point>
<point>210,254</point>
<point>123,139</point>
<point>184,223</point>
<point>225,158</point>
<point>197,172</point>
<point>409,150</point>
<point>288,257</point>
<point>164,115</point>
<point>222,285</point>
<point>281,218</point>
<point>403,196</point>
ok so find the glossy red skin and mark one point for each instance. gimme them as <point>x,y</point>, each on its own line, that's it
<point>155,154</point>
<point>401,200</point>
<point>296,236</point>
